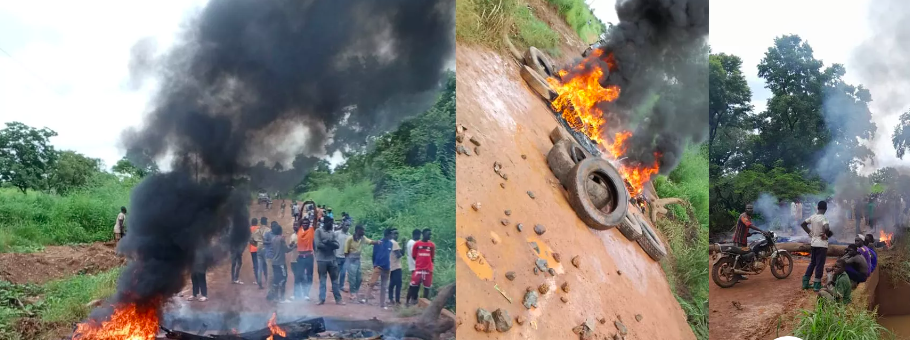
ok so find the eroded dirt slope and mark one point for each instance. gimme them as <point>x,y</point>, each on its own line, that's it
<point>57,262</point>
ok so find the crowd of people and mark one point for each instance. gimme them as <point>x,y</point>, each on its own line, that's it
<point>329,250</point>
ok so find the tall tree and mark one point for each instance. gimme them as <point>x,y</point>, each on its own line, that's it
<point>26,156</point>
<point>126,167</point>
<point>72,171</point>
<point>901,136</point>
<point>728,107</point>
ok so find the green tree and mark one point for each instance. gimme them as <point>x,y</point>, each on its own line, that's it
<point>73,170</point>
<point>126,167</point>
<point>901,136</point>
<point>26,156</point>
<point>729,109</point>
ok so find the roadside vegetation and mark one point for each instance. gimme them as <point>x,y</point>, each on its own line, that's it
<point>581,18</point>
<point>28,311</point>
<point>830,320</point>
<point>687,236</point>
<point>406,180</point>
<point>485,22</point>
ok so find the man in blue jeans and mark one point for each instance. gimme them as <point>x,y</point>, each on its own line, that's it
<point>819,231</point>
<point>326,243</point>
<point>341,236</point>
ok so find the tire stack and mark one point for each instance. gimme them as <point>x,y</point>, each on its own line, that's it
<point>602,203</point>
<point>538,66</point>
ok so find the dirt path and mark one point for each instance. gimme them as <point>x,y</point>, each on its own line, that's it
<point>57,262</point>
<point>762,301</point>
<point>510,121</point>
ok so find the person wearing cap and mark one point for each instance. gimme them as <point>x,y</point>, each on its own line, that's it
<point>819,231</point>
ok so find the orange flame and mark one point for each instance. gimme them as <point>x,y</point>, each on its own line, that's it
<point>273,327</point>
<point>801,253</point>
<point>128,322</point>
<point>883,237</point>
<point>579,97</point>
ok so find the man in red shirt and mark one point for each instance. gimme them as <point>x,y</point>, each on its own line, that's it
<point>424,254</point>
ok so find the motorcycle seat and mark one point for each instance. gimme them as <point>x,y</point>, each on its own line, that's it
<point>732,248</point>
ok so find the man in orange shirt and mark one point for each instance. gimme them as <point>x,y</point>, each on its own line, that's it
<point>303,273</point>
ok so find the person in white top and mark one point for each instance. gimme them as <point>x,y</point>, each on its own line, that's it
<point>818,229</point>
<point>120,224</point>
<point>415,236</point>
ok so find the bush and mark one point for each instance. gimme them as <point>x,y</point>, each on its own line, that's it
<point>486,21</point>
<point>831,320</point>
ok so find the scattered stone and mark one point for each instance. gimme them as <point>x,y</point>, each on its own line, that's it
<point>504,221</point>
<point>474,255</point>
<point>556,257</point>
<point>503,320</point>
<point>619,317</point>
<point>477,150</point>
<point>458,320</point>
<point>471,243</point>
<point>530,299</point>
<point>535,247</point>
<point>531,194</point>
<point>617,337</point>
<point>541,264</point>
<point>504,176</point>
<point>497,167</point>
<point>460,128</point>
<point>478,327</point>
<point>564,299</point>
<point>510,276</point>
<point>602,320</point>
<point>467,152</point>
<point>543,288</point>
<point>476,206</point>
<point>459,137</point>
<point>584,331</point>
<point>502,185</point>
<point>638,317</point>
<point>485,319</point>
<point>475,141</point>
<point>622,328</point>
<point>576,261</point>
<point>480,261</point>
<point>540,229</point>
<point>619,272</point>
<point>520,320</point>
<point>552,271</point>
<point>523,156</point>
<point>536,271</point>
<point>461,150</point>
<point>519,227</point>
<point>529,289</point>
<point>495,240</point>
<point>508,212</point>
<point>565,287</point>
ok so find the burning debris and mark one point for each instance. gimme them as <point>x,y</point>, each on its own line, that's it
<point>252,85</point>
<point>885,238</point>
<point>652,64</point>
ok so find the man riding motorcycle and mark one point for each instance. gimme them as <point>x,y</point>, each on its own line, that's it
<point>740,236</point>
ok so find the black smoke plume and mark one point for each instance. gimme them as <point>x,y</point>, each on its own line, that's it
<point>266,82</point>
<point>661,67</point>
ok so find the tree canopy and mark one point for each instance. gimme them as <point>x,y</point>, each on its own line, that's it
<point>26,156</point>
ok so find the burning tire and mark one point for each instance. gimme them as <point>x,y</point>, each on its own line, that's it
<point>630,226</point>
<point>538,83</point>
<point>563,157</point>
<point>540,62</point>
<point>615,198</point>
<point>650,243</point>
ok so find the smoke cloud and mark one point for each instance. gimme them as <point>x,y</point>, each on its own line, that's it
<point>253,84</point>
<point>661,67</point>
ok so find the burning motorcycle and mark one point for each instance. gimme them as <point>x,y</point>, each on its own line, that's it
<point>731,261</point>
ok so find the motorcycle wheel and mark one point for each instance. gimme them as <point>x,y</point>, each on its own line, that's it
<point>721,280</point>
<point>782,266</point>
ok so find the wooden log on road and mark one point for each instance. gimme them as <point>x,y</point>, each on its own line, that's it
<point>793,247</point>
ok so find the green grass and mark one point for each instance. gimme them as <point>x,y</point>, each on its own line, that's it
<point>485,21</point>
<point>830,320</point>
<point>580,17</point>
<point>688,243</point>
<point>60,302</point>
<point>30,221</point>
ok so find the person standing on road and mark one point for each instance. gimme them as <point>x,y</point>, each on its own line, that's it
<point>409,250</point>
<point>424,256</point>
<point>236,263</point>
<point>254,228</point>
<point>870,213</point>
<point>305,235</point>
<point>342,235</point>
<point>395,271</point>
<point>858,214</point>
<point>120,225</point>
<point>295,210</point>
<point>819,231</point>
<point>258,240</point>
<point>382,252</point>
<point>280,247</point>
<point>283,205</point>
<point>352,251</point>
<point>326,243</point>
<point>197,276</point>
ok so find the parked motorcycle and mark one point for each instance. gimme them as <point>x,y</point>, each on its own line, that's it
<point>730,260</point>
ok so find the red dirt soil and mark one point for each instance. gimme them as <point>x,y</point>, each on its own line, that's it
<point>57,262</point>
<point>763,299</point>
<point>509,120</point>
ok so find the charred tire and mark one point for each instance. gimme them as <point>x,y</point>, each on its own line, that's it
<point>651,243</point>
<point>558,134</point>
<point>719,279</point>
<point>563,157</point>
<point>782,273</point>
<point>540,62</point>
<point>630,227</point>
<point>538,83</point>
<point>599,217</point>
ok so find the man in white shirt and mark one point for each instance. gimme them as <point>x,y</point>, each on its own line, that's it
<point>120,224</point>
<point>409,247</point>
<point>395,270</point>
<point>819,231</point>
<point>342,236</point>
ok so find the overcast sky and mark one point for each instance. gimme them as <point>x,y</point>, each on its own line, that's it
<point>834,29</point>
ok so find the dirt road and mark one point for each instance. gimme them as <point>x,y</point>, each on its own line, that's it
<point>751,310</point>
<point>510,121</point>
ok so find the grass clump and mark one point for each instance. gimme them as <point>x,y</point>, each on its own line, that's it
<point>28,222</point>
<point>485,22</point>
<point>688,239</point>
<point>831,320</point>
<point>581,18</point>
